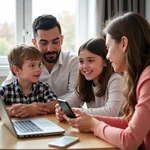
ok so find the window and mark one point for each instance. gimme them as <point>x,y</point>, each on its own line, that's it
<point>7,25</point>
<point>7,32</point>
<point>65,12</point>
<point>16,24</point>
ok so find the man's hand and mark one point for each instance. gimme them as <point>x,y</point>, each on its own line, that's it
<point>25,110</point>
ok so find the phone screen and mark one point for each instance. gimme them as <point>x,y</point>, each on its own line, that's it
<point>66,108</point>
<point>63,141</point>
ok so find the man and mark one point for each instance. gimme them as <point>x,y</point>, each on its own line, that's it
<point>59,68</point>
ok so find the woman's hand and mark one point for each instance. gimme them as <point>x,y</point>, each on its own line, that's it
<point>59,113</point>
<point>84,122</point>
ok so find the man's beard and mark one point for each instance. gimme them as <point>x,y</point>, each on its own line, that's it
<point>52,59</point>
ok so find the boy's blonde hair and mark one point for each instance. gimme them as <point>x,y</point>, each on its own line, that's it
<point>19,53</point>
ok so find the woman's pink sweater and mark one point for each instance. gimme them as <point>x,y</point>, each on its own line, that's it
<point>130,135</point>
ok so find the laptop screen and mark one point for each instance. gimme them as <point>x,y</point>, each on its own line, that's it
<point>5,117</point>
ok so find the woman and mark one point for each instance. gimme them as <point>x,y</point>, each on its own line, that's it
<point>97,86</point>
<point>128,43</point>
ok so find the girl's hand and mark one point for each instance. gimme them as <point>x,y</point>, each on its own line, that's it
<point>84,122</point>
<point>59,113</point>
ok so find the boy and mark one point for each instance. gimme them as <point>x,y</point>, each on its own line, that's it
<point>56,62</point>
<point>26,96</point>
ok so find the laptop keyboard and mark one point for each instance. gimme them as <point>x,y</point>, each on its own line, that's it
<point>25,126</point>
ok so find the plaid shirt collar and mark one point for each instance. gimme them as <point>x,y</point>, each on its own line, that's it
<point>18,89</point>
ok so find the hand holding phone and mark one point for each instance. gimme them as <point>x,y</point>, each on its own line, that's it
<point>63,141</point>
<point>66,108</point>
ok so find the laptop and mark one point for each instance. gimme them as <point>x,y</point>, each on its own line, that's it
<point>31,127</point>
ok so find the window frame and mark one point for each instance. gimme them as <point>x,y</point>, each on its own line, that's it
<point>23,30</point>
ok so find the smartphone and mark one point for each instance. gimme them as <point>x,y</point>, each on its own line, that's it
<point>63,141</point>
<point>66,108</point>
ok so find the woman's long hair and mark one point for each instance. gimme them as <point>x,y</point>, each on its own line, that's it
<point>84,87</point>
<point>137,30</point>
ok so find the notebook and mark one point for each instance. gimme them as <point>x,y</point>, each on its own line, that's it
<point>31,127</point>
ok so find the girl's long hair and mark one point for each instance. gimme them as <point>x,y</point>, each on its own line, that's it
<point>84,87</point>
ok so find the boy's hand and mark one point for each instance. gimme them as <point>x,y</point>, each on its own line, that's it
<point>38,108</point>
<point>18,110</point>
<point>25,110</point>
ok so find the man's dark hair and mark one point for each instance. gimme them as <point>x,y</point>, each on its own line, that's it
<point>45,22</point>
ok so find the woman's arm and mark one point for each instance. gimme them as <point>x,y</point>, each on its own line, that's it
<point>138,127</point>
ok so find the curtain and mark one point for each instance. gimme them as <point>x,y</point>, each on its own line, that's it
<point>106,9</point>
<point>92,15</point>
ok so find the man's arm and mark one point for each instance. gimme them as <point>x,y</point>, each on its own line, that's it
<point>73,75</point>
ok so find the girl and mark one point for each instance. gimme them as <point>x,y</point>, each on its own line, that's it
<point>98,86</point>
